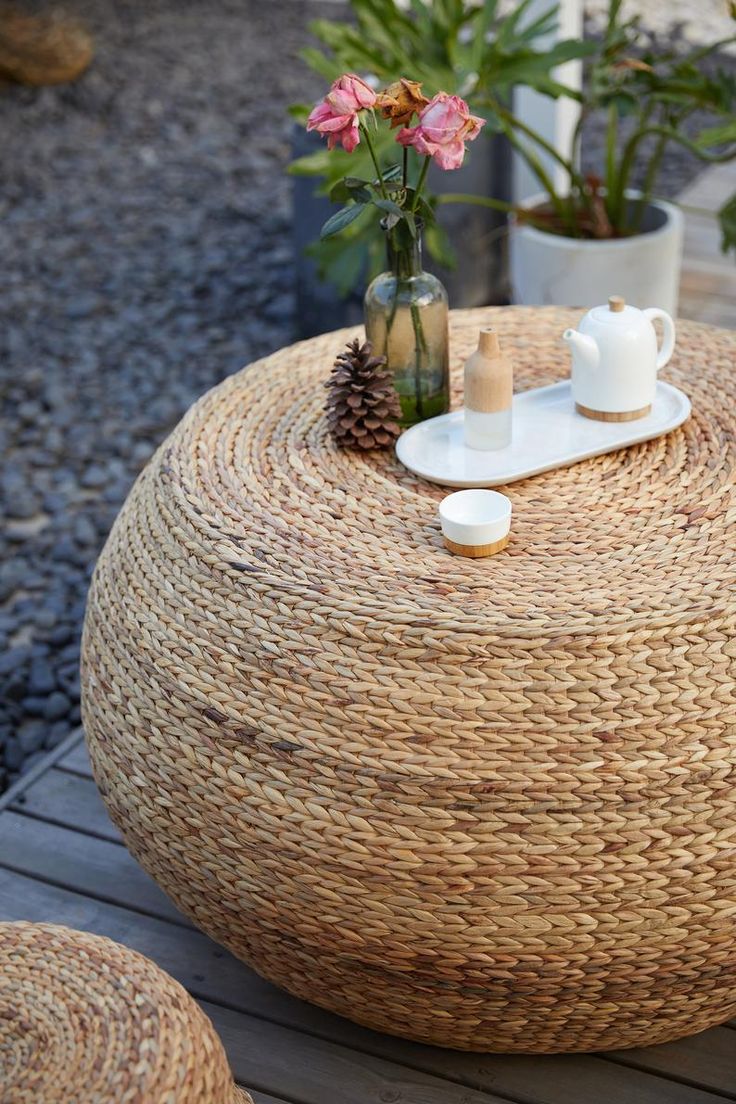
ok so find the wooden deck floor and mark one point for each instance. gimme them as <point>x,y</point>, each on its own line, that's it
<point>61,860</point>
<point>708,284</point>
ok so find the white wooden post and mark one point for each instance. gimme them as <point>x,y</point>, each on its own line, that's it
<point>555,120</point>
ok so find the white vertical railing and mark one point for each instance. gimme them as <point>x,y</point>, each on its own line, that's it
<point>555,120</point>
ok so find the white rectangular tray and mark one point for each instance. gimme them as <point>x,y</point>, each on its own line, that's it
<point>547,433</point>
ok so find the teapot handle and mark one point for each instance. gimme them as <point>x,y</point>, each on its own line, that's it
<point>668,344</point>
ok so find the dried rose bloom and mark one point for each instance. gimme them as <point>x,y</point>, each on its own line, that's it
<point>401,101</point>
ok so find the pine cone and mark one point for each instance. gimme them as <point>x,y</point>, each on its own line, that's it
<point>362,405</point>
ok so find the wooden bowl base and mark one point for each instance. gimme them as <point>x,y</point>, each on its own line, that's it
<point>613,416</point>
<point>476,551</point>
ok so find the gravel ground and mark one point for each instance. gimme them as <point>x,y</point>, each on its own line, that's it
<point>145,236</point>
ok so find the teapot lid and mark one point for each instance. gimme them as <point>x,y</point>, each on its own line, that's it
<point>615,311</point>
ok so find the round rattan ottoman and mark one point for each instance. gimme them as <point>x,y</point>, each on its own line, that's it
<point>487,804</point>
<point>86,1020</point>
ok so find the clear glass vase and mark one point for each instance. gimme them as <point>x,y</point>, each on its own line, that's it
<point>406,321</point>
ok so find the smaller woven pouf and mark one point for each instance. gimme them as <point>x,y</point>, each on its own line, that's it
<point>86,1021</point>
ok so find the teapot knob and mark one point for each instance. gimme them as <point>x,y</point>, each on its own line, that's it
<point>616,303</point>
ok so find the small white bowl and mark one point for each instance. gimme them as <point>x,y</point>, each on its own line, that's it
<point>475,522</point>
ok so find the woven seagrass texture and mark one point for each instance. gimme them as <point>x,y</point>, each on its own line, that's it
<point>487,804</point>
<point>84,1020</point>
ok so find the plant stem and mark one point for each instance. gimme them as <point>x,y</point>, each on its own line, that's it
<point>419,347</point>
<point>405,172</point>
<point>497,205</point>
<point>625,168</point>
<point>374,159</point>
<point>711,49</point>
<point>566,163</point>
<point>682,140</point>
<point>576,137</point>
<point>420,183</point>
<point>612,200</point>
<point>480,201</point>
<point>562,209</point>
<point>646,192</point>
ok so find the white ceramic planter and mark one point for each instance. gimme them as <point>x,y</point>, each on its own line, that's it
<point>644,269</point>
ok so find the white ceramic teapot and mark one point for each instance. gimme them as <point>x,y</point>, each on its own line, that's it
<point>615,360</point>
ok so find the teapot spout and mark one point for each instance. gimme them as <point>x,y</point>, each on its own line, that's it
<point>584,347</point>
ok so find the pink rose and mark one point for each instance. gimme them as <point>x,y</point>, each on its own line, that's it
<point>444,126</point>
<point>336,116</point>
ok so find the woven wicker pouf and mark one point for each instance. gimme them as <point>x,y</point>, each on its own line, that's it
<point>488,804</point>
<point>87,1021</point>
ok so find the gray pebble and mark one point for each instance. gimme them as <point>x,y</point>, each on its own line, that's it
<point>41,679</point>
<point>31,736</point>
<point>84,530</point>
<point>34,706</point>
<point>55,733</point>
<point>14,686</point>
<point>14,754</point>
<point>12,574</point>
<point>54,503</point>
<point>22,505</point>
<point>56,706</point>
<point>95,476</point>
<point>45,618</point>
<point>60,635</point>
<point>14,658</point>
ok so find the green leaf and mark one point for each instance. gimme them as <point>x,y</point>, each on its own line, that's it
<point>718,135</point>
<point>299,112</point>
<point>625,103</point>
<point>340,220</point>
<point>439,246</point>
<point>727,219</point>
<point>355,183</point>
<point>312,164</point>
<point>485,18</point>
<point>389,207</point>
<point>316,60</point>
<point>350,188</point>
<point>344,260</point>
<point>425,212</point>
<point>392,172</point>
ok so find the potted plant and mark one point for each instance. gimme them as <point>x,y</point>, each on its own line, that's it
<point>600,234</point>
<point>468,49</point>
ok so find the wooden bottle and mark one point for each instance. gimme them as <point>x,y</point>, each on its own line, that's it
<point>489,385</point>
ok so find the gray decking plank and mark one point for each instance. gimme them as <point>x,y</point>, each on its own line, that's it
<point>68,800</point>
<point>14,792</point>
<point>217,977</point>
<point>77,760</point>
<point>707,1060</point>
<point>318,1071</point>
<point>82,863</point>
<point>275,1059</point>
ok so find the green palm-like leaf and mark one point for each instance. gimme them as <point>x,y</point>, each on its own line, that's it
<point>727,220</point>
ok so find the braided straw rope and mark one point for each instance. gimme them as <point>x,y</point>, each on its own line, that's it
<point>487,804</point>
<point>87,1021</point>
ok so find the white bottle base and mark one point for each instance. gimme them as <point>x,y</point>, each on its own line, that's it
<point>487,431</point>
